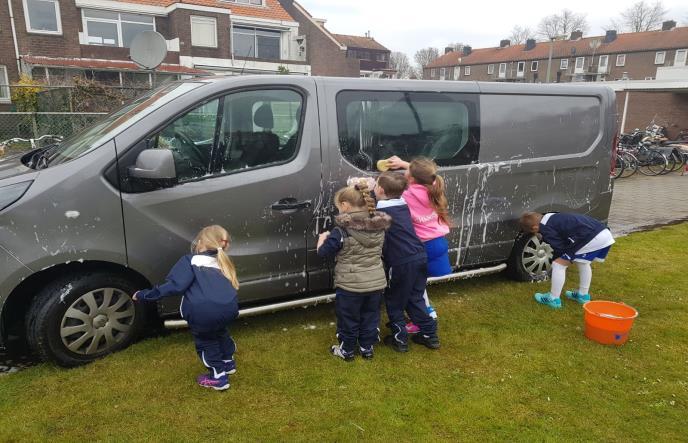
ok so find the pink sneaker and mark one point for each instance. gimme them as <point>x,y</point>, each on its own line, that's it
<point>411,328</point>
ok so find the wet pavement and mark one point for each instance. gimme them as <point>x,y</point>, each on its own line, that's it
<point>639,203</point>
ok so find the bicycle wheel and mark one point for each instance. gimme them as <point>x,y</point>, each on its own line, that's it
<point>630,165</point>
<point>677,161</point>
<point>619,166</point>
<point>654,163</point>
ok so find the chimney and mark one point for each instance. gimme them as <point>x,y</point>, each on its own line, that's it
<point>668,25</point>
<point>448,49</point>
<point>504,43</point>
<point>467,50</point>
<point>576,35</point>
<point>610,36</point>
<point>530,44</point>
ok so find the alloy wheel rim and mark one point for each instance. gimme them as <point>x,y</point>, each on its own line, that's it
<point>537,257</point>
<point>97,321</point>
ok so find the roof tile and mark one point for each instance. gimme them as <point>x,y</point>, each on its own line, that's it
<point>355,41</point>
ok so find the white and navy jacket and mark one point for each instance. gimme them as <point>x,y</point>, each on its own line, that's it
<point>209,299</point>
<point>567,233</point>
<point>402,245</point>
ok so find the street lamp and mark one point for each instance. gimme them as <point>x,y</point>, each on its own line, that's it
<point>549,59</point>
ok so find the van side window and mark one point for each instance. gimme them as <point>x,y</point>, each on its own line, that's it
<point>191,139</point>
<point>246,129</point>
<point>374,125</point>
<point>259,128</point>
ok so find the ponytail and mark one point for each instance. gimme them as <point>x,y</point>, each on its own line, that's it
<point>227,267</point>
<point>362,187</point>
<point>424,172</point>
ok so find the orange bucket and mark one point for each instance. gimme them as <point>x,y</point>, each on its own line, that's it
<point>608,322</point>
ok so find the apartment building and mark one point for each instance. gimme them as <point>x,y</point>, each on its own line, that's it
<point>54,40</point>
<point>613,56</point>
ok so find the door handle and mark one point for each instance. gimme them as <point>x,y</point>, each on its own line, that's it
<point>290,204</point>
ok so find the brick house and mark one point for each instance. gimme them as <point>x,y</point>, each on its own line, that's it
<point>373,56</point>
<point>631,56</point>
<point>55,40</point>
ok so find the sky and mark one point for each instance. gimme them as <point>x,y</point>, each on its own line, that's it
<point>408,25</point>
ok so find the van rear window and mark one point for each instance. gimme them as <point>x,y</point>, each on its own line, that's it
<point>374,125</point>
<point>535,126</point>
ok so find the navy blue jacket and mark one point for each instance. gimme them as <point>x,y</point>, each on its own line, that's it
<point>402,245</point>
<point>209,300</point>
<point>567,233</point>
<point>332,245</point>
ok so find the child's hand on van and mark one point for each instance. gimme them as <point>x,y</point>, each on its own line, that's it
<point>134,297</point>
<point>395,162</point>
<point>321,238</point>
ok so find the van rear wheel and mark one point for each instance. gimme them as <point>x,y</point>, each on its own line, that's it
<point>530,260</point>
<point>82,317</point>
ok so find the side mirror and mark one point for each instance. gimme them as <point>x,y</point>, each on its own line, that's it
<point>154,164</point>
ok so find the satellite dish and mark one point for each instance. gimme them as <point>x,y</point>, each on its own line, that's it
<point>148,49</point>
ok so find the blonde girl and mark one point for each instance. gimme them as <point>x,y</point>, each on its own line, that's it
<point>208,281</point>
<point>359,276</point>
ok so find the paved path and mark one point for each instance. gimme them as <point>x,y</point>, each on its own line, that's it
<point>640,202</point>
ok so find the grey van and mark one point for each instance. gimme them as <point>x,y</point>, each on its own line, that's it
<point>85,223</point>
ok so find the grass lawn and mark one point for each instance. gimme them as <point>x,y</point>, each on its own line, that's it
<point>508,369</point>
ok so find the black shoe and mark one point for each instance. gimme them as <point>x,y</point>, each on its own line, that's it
<point>338,351</point>
<point>394,344</point>
<point>431,342</point>
<point>367,353</point>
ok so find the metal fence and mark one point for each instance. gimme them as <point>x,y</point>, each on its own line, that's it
<point>32,111</point>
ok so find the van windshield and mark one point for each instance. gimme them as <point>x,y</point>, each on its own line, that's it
<point>104,130</point>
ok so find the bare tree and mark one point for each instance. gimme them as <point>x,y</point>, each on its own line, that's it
<point>564,23</point>
<point>401,63</point>
<point>519,35</point>
<point>640,17</point>
<point>424,57</point>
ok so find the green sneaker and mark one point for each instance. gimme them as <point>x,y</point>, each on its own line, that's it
<point>547,299</point>
<point>580,298</point>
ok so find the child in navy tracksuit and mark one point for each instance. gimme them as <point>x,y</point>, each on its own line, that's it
<point>406,263</point>
<point>207,279</point>
<point>574,238</point>
<point>359,279</point>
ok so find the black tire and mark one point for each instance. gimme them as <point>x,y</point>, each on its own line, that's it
<point>654,163</point>
<point>630,164</point>
<point>529,250</point>
<point>76,305</point>
<point>619,166</point>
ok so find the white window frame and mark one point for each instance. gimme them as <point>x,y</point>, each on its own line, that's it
<point>56,4</point>
<point>502,72</point>
<point>118,22</point>
<point>601,69</point>
<point>579,69</point>
<point>658,55</point>
<point>255,28</point>
<point>466,70</point>
<point>457,72</point>
<point>621,60</point>
<point>4,85</point>
<point>520,69</point>
<point>680,62</point>
<point>443,73</point>
<point>433,72</point>
<point>536,64</point>
<point>564,64</point>
<point>490,69</point>
<point>200,19</point>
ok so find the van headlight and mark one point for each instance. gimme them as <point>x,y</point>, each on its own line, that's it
<point>11,193</point>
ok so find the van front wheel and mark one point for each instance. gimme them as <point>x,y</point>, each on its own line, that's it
<point>530,260</point>
<point>82,317</point>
